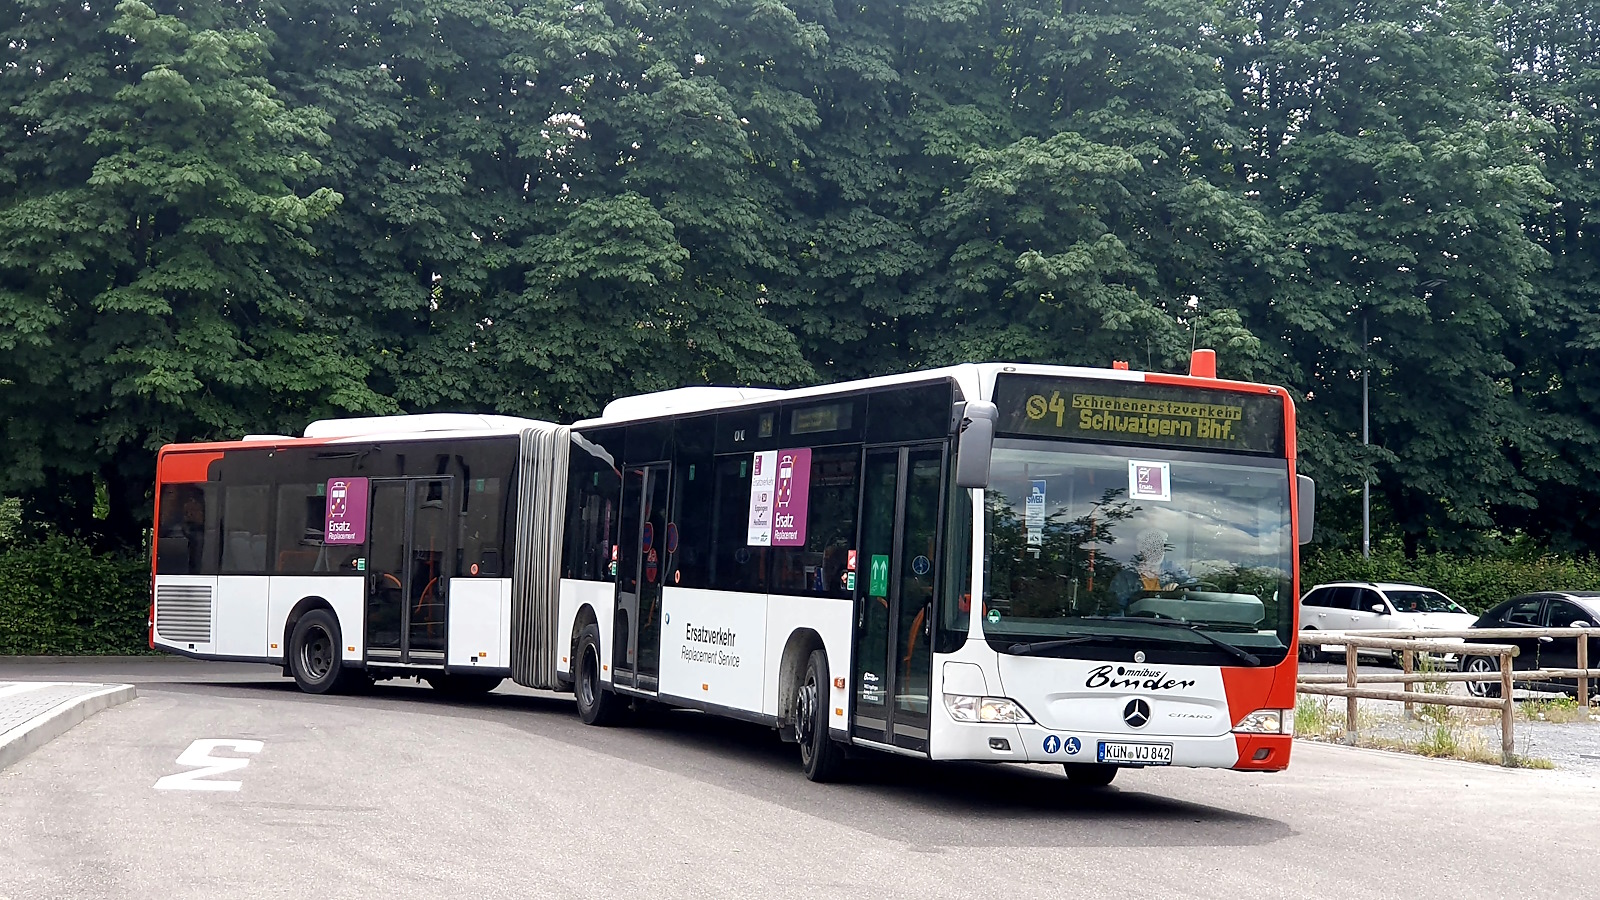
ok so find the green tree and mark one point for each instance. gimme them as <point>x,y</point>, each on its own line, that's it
<point>1399,184</point>
<point>152,188</point>
<point>1552,70</point>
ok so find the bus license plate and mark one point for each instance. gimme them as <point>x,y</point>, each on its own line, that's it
<point>1136,754</point>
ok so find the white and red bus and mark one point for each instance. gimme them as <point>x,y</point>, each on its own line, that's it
<point>1089,567</point>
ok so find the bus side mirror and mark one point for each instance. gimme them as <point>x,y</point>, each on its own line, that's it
<point>1308,507</point>
<point>975,444</point>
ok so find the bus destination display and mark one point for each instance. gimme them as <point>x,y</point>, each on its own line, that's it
<point>1139,413</point>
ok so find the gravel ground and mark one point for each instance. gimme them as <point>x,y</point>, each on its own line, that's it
<point>1572,747</point>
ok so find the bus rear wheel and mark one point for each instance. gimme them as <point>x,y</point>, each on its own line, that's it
<point>596,706</point>
<point>820,756</point>
<point>1089,775</point>
<point>314,658</point>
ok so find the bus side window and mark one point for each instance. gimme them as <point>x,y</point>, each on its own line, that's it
<point>593,489</point>
<point>186,512</point>
<point>735,565</point>
<point>302,511</point>
<point>956,605</point>
<point>478,544</point>
<point>244,529</point>
<point>820,566</point>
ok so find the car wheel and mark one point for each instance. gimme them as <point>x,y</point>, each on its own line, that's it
<point>1311,652</point>
<point>1482,665</point>
<point>1089,775</point>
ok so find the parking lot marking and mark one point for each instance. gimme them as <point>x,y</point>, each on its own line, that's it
<point>199,754</point>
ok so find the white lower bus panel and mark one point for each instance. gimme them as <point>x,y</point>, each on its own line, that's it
<point>241,616</point>
<point>713,648</point>
<point>347,595</point>
<point>479,630</point>
<point>599,596</point>
<point>830,618</point>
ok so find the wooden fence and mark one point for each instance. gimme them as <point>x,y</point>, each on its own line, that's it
<point>1410,643</point>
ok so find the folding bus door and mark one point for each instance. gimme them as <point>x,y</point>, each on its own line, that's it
<point>900,514</point>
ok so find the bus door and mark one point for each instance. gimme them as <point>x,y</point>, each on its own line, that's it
<point>408,554</point>
<point>901,492</point>
<point>641,568</point>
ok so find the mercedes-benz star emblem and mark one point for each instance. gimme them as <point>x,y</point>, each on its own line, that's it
<point>1136,713</point>
<point>1138,656</point>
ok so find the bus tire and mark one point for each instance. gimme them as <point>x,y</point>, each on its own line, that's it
<point>596,705</point>
<point>1089,775</point>
<point>820,756</point>
<point>314,658</point>
<point>459,685</point>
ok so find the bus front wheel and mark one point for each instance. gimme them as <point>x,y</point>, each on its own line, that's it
<point>822,758</point>
<point>596,706</point>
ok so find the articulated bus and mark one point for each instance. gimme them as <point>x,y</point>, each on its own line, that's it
<point>1012,563</point>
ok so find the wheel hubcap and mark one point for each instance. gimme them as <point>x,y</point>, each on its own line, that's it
<point>805,714</point>
<point>317,657</point>
<point>1479,667</point>
<point>590,676</point>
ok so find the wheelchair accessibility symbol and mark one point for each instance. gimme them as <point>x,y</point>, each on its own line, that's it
<point>1073,746</point>
<point>1052,743</point>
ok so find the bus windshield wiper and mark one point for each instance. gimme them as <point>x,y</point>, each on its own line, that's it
<point>1028,648</point>
<point>1244,656</point>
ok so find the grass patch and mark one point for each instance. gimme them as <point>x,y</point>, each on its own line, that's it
<point>1311,718</point>
<point>1443,735</point>
<point>1554,709</point>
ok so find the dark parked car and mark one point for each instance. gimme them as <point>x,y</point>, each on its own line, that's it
<point>1552,609</point>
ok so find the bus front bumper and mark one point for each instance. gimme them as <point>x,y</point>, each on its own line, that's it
<point>1034,743</point>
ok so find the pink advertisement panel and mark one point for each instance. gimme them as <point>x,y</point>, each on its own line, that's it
<point>347,511</point>
<point>792,495</point>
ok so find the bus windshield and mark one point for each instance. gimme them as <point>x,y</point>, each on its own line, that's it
<point>1080,539</point>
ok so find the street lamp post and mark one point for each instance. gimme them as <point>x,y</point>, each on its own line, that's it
<point>1366,486</point>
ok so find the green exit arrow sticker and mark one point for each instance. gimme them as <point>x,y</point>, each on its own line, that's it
<point>878,578</point>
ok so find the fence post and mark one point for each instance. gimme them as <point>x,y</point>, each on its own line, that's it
<point>1406,660</point>
<point>1583,663</point>
<point>1508,745</point>
<point>1351,702</point>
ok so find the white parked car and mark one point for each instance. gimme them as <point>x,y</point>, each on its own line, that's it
<point>1368,605</point>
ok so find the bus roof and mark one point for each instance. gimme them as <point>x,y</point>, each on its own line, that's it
<point>974,379</point>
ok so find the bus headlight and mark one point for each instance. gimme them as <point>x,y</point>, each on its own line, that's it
<point>986,709</point>
<point>1267,721</point>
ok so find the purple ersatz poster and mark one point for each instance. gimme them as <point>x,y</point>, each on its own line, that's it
<point>792,495</point>
<point>347,511</point>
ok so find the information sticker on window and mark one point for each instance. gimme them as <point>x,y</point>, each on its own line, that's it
<point>1149,481</point>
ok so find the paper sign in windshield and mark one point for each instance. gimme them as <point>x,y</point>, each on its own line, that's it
<point>1149,480</point>
<point>1035,513</point>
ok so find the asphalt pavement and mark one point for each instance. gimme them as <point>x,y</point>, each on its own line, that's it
<point>399,793</point>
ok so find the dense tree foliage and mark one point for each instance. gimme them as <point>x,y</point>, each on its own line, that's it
<point>221,218</point>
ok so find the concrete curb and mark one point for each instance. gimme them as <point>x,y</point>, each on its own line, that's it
<point>48,725</point>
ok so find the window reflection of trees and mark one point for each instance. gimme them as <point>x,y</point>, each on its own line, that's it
<point>1090,564</point>
<point>1069,571</point>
